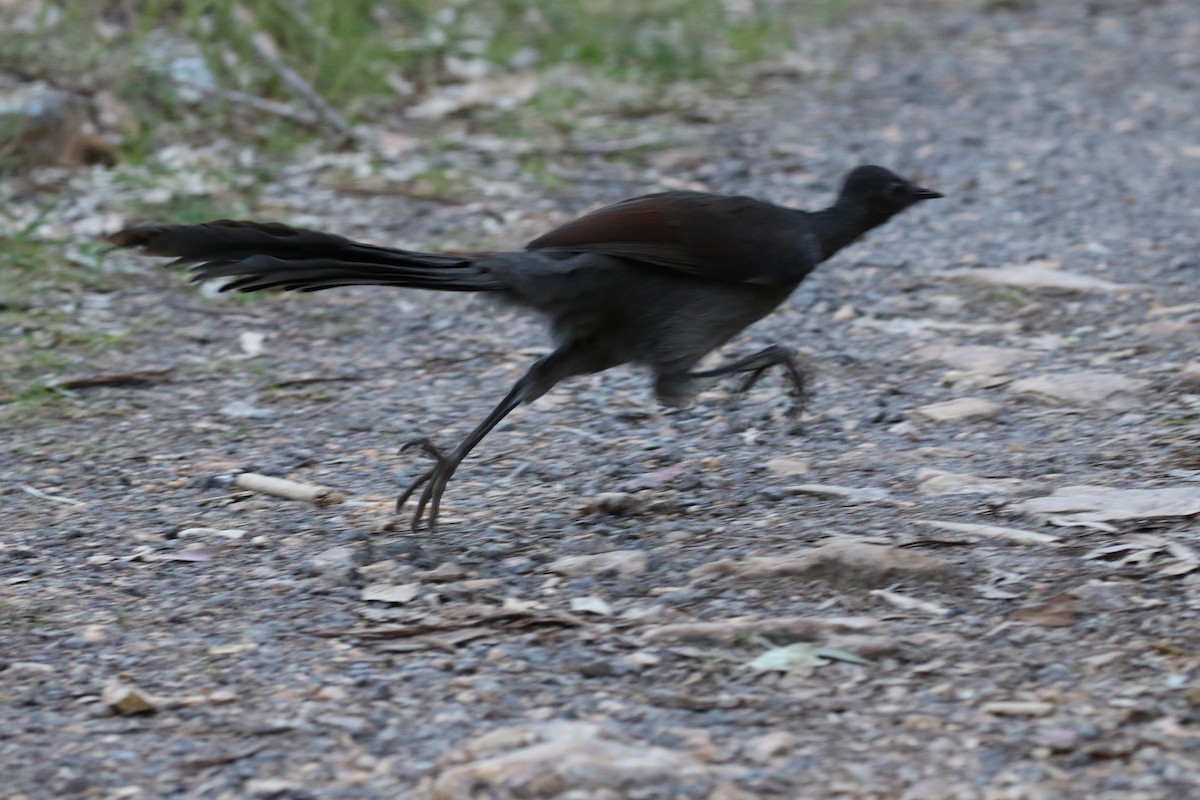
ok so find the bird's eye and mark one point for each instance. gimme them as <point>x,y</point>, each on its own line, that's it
<point>895,190</point>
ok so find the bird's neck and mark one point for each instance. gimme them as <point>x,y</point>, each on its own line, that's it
<point>840,225</point>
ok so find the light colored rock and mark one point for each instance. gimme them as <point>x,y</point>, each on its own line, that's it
<point>1043,275</point>
<point>1083,504</point>
<point>641,660</point>
<point>94,633</point>
<point>331,694</point>
<point>1160,332</point>
<point>591,605</point>
<point>960,408</point>
<point>125,699</point>
<point>241,409</point>
<point>1086,388</point>
<point>621,562</point>
<point>29,668</point>
<point>270,787</point>
<point>761,749</point>
<point>936,482</point>
<point>934,789</point>
<point>975,366</point>
<point>222,696</point>
<point>332,559</point>
<point>569,760</point>
<point>398,594</point>
<point>727,790</point>
<point>492,743</point>
<point>984,359</point>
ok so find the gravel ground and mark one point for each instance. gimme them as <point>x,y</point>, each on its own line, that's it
<point>168,635</point>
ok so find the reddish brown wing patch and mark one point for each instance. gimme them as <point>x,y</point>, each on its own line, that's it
<point>725,238</point>
<point>642,219</point>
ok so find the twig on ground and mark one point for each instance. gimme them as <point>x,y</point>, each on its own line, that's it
<point>272,107</point>
<point>289,490</point>
<point>327,113</point>
<point>39,494</point>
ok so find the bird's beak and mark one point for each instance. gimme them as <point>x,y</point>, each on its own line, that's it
<point>926,194</point>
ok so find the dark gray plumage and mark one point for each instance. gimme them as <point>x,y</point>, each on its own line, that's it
<point>659,280</point>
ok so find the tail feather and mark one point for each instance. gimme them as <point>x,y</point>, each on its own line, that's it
<point>311,274</point>
<point>273,256</point>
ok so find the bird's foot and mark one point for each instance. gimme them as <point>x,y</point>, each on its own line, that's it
<point>433,480</point>
<point>801,394</point>
<point>797,378</point>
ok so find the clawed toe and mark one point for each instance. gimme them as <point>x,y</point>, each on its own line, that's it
<point>425,444</point>
<point>751,380</point>
<point>432,483</point>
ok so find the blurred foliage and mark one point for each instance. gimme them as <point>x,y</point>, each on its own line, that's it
<point>177,58</point>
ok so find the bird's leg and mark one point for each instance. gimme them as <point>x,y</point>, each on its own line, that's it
<point>435,479</point>
<point>541,377</point>
<point>756,364</point>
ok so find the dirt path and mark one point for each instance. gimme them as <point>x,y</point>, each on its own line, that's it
<point>1036,330</point>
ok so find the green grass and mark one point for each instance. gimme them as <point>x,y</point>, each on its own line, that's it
<point>34,267</point>
<point>38,346</point>
<point>183,209</point>
<point>369,58</point>
<point>40,341</point>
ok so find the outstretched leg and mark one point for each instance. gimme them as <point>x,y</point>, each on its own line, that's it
<point>672,389</point>
<point>568,360</point>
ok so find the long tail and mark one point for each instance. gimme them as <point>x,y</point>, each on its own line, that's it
<point>273,256</point>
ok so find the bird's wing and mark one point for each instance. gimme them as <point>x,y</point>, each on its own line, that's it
<point>726,238</point>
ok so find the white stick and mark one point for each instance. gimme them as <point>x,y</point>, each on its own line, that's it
<point>289,490</point>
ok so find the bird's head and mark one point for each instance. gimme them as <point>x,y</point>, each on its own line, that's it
<point>879,194</point>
